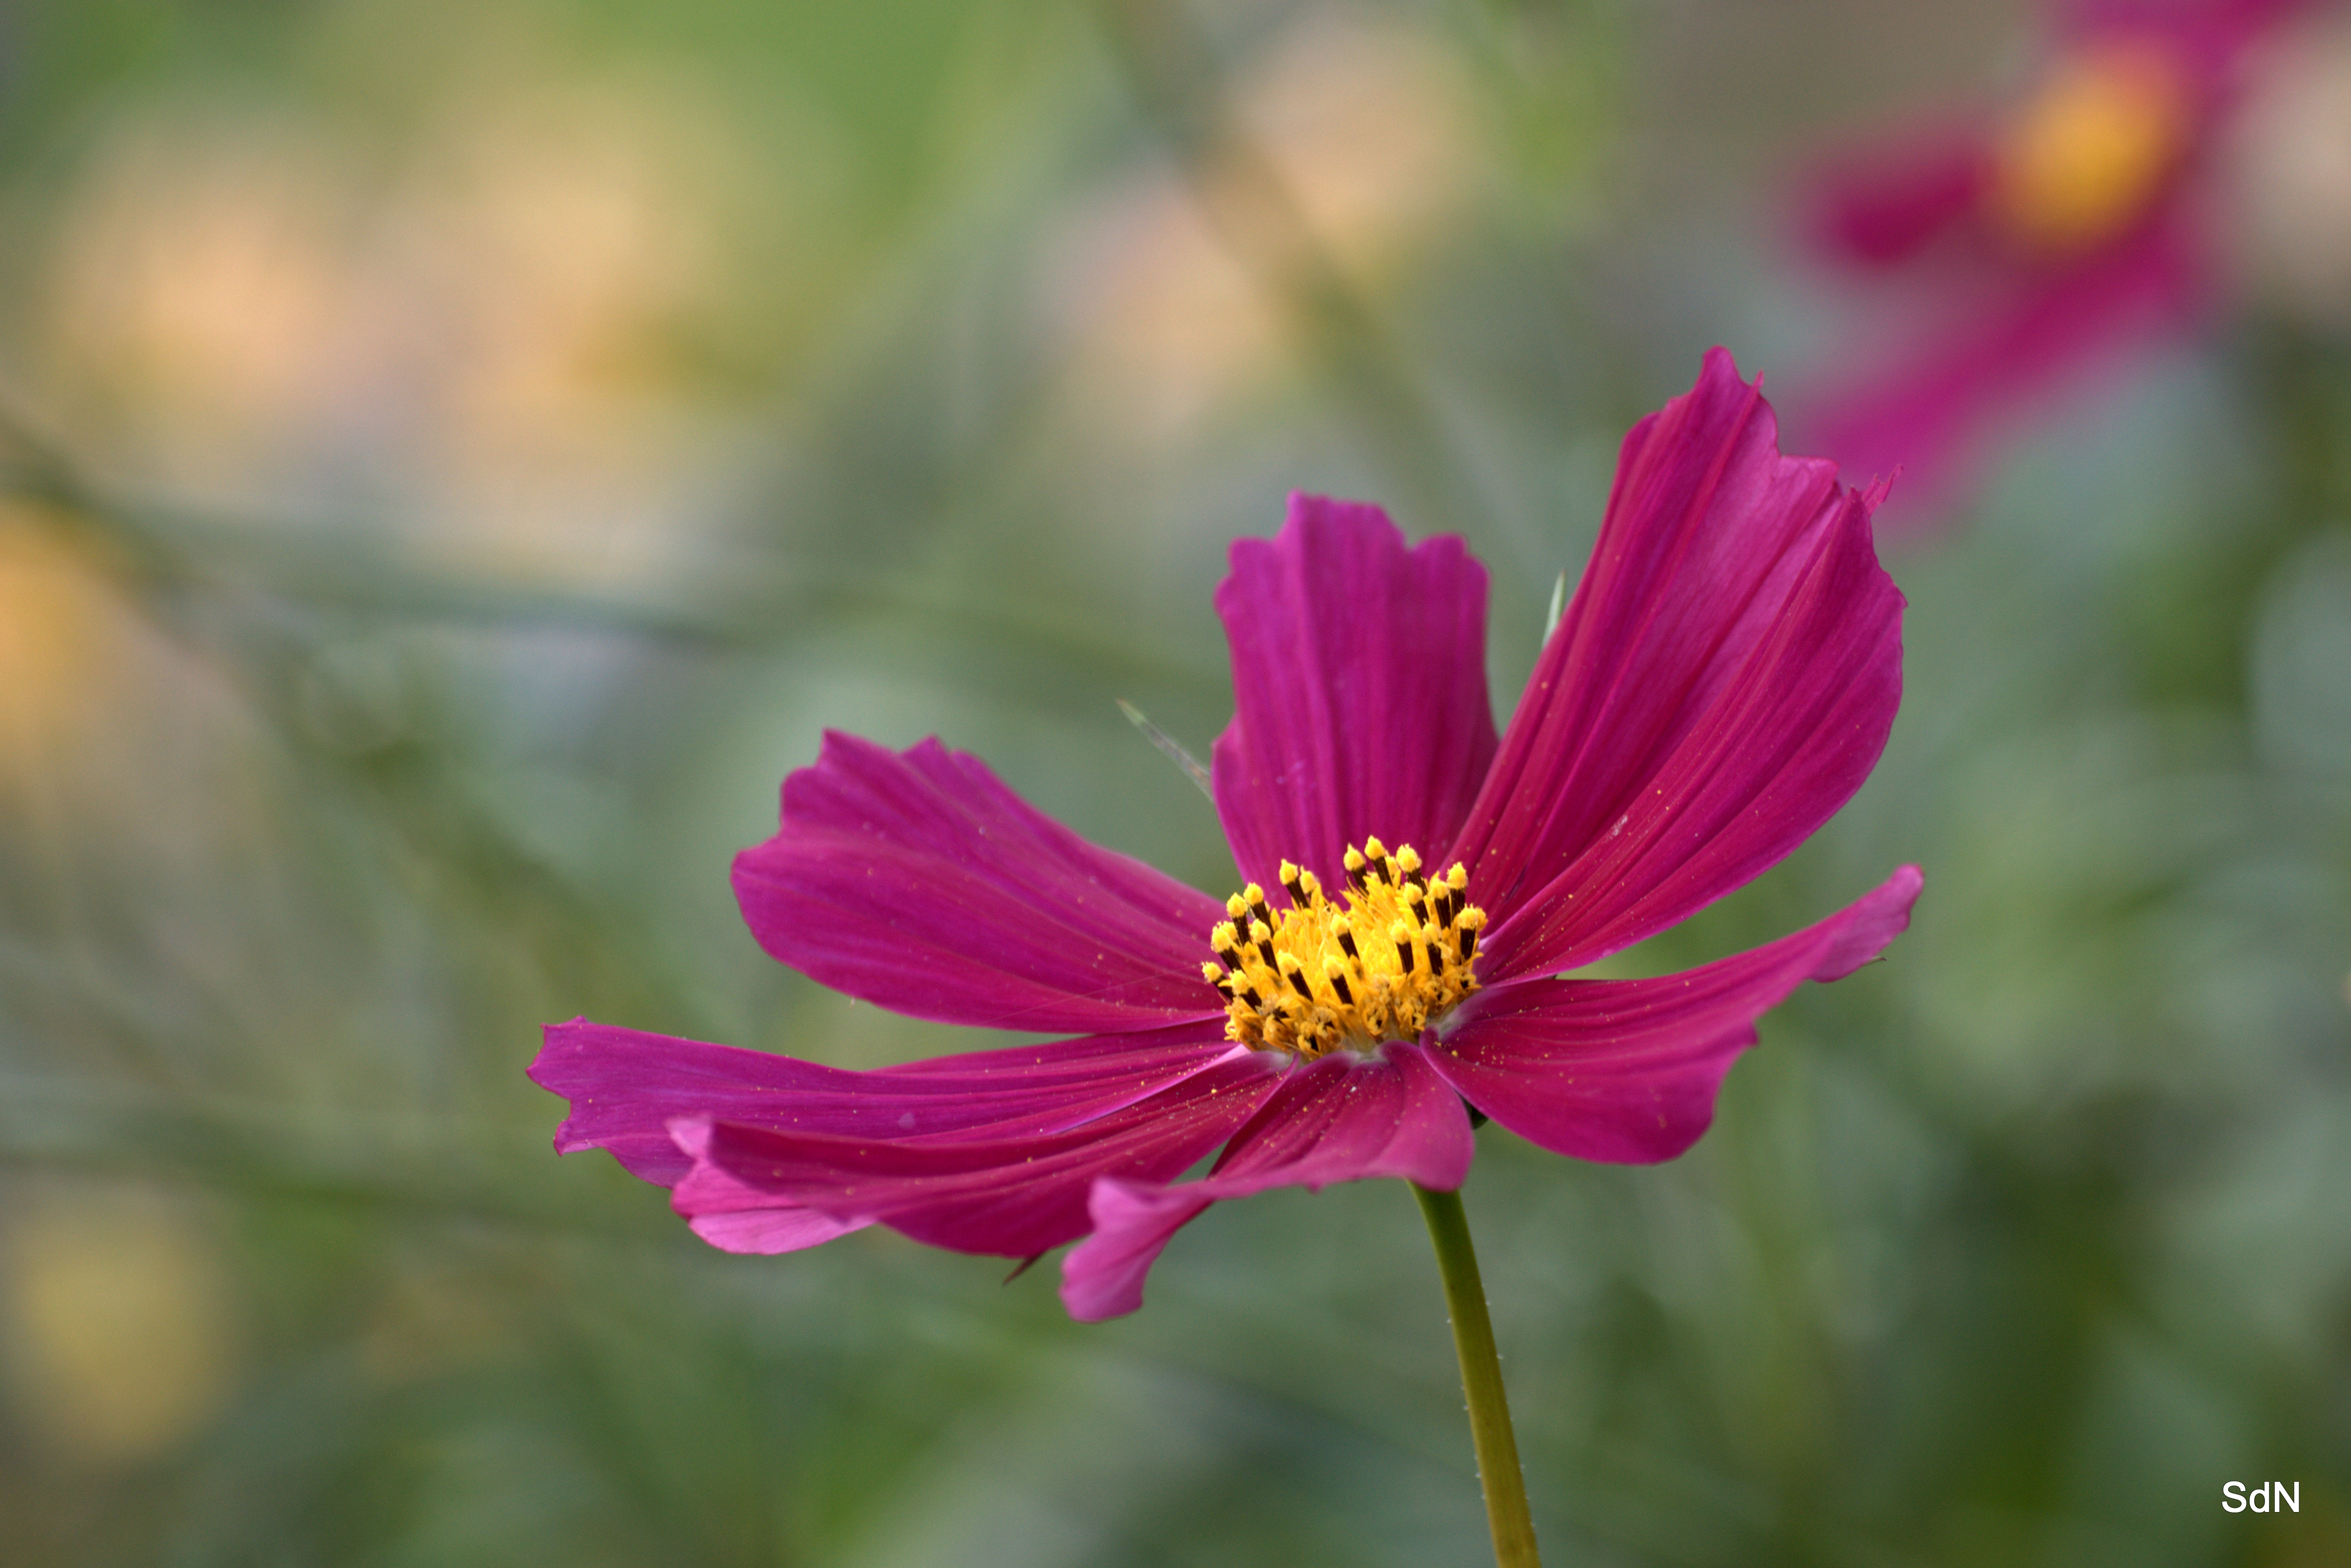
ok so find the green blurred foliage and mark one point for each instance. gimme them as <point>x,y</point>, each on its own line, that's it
<point>460,458</point>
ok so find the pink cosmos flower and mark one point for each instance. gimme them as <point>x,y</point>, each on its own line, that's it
<point>1414,888</point>
<point>2043,240</point>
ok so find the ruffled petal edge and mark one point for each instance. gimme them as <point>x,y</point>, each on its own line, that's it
<point>1340,1118</point>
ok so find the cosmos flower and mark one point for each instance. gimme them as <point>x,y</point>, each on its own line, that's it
<point>1413,889</point>
<point>2041,241</point>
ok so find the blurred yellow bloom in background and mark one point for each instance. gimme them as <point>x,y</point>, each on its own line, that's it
<point>121,1327</point>
<point>2082,156</point>
<point>499,324</point>
<point>62,640</point>
<point>1349,142</point>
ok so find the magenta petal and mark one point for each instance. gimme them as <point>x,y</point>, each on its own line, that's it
<point>736,1219</point>
<point>1341,1118</point>
<point>982,1191</point>
<point>1359,690</point>
<point>770,1230</point>
<point>627,1088</point>
<point>1722,683</point>
<point>1626,1070</point>
<point>916,881</point>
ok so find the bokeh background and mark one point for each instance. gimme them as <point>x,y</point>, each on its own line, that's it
<point>458,457</point>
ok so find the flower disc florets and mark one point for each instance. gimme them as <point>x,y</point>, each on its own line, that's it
<point>2082,159</point>
<point>1386,963</point>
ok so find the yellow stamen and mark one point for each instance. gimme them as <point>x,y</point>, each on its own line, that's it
<point>1390,960</point>
<point>2082,158</point>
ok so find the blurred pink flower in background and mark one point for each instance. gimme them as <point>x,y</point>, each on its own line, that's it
<point>2039,241</point>
<point>1723,682</point>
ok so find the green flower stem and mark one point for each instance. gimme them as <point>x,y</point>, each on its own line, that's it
<point>1481,1380</point>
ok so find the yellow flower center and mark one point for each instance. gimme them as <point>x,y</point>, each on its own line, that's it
<point>2082,158</point>
<point>1385,963</point>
